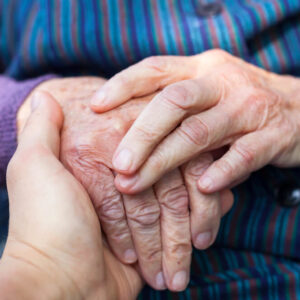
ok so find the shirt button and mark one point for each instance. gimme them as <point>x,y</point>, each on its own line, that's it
<point>209,9</point>
<point>288,194</point>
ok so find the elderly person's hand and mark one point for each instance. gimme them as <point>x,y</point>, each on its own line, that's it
<point>54,248</point>
<point>155,223</point>
<point>207,101</point>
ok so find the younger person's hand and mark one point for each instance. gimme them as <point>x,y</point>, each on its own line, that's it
<point>54,248</point>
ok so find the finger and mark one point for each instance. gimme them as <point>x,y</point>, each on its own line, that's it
<point>160,117</point>
<point>43,125</point>
<point>99,183</point>
<point>197,134</point>
<point>247,154</point>
<point>143,78</point>
<point>175,230</point>
<point>206,210</point>
<point>143,215</point>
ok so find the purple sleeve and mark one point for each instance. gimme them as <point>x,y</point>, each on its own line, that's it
<point>12,95</point>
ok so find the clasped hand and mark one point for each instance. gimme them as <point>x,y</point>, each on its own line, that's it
<point>155,227</point>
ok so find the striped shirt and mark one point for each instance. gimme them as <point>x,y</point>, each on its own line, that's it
<point>257,251</point>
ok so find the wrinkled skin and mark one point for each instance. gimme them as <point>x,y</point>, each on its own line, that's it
<point>88,142</point>
<point>159,229</point>
<point>205,102</point>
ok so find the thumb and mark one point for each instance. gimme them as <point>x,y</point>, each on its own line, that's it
<point>43,125</point>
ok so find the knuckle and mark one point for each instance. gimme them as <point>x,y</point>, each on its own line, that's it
<point>116,236</point>
<point>175,200</point>
<point>176,96</point>
<point>208,212</point>
<point>156,63</point>
<point>145,134</point>
<point>152,254</point>
<point>246,154</point>
<point>225,167</point>
<point>144,215</point>
<point>231,75</point>
<point>218,55</point>
<point>256,105</point>
<point>158,161</point>
<point>196,168</point>
<point>194,131</point>
<point>181,249</point>
<point>121,79</point>
<point>111,209</point>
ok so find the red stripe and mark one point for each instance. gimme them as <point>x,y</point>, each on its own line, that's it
<point>261,53</point>
<point>158,30</point>
<point>232,34</point>
<point>292,282</point>
<point>124,32</point>
<point>279,12</point>
<point>236,214</point>
<point>39,48</point>
<point>27,35</point>
<point>58,26</point>
<point>271,234</point>
<point>105,18</point>
<point>262,15</point>
<point>74,29</point>
<point>275,39</point>
<point>290,230</point>
<point>213,33</point>
<point>178,39</point>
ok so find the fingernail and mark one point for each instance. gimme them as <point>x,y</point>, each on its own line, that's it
<point>206,182</point>
<point>35,101</point>
<point>127,182</point>
<point>179,281</point>
<point>123,160</point>
<point>99,98</point>
<point>160,281</point>
<point>130,256</point>
<point>203,240</point>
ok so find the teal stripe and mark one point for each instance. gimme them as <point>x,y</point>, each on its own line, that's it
<point>129,36</point>
<point>153,27</point>
<point>32,45</point>
<point>66,29</point>
<point>223,35</point>
<point>104,46</point>
<point>164,27</point>
<point>179,20</point>
<point>261,205</point>
<point>142,36</point>
<point>167,27</point>
<point>114,33</point>
<point>193,28</point>
<point>282,233</point>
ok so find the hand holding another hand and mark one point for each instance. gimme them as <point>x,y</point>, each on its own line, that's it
<point>55,248</point>
<point>207,101</point>
<point>156,224</point>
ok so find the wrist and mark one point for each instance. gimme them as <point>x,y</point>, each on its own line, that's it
<point>25,273</point>
<point>19,279</point>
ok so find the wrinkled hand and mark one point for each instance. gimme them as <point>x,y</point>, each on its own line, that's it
<point>156,223</point>
<point>54,248</point>
<point>207,101</point>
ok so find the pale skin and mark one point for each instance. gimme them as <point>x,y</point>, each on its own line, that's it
<point>159,224</point>
<point>205,102</point>
<point>55,248</point>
